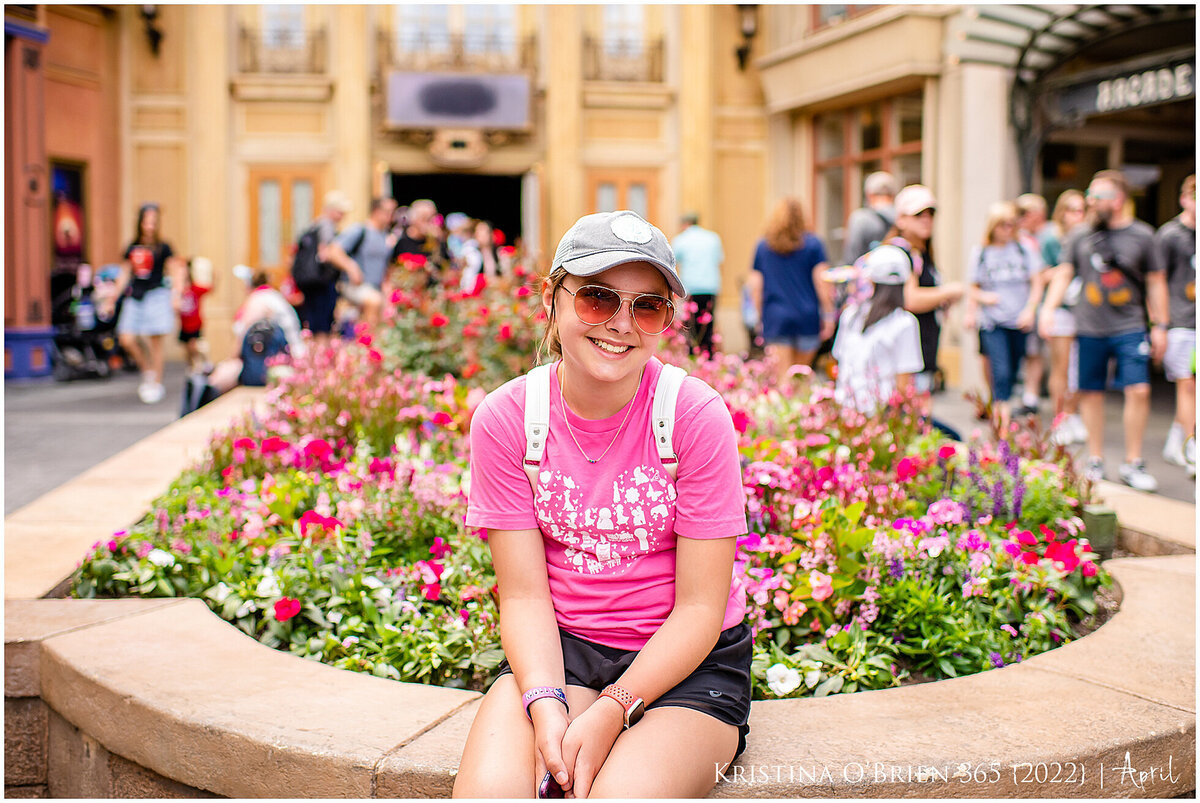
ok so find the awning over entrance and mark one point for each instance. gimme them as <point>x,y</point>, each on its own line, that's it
<point>1071,62</point>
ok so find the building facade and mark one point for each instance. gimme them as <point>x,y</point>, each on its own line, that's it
<point>237,119</point>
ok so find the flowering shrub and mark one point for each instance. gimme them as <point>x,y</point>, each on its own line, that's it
<point>332,526</point>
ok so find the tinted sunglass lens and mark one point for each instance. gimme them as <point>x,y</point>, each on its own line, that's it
<point>652,313</point>
<point>595,305</point>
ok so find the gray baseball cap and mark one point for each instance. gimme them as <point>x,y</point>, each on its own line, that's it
<point>607,239</point>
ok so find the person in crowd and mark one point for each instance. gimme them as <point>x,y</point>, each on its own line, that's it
<point>867,226</point>
<point>460,228</point>
<point>627,670</point>
<point>151,279</point>
<point>317,309</point>
<point>1123,280</point>
<point>1176,242</point>
<point>794,303</point>
<point>263,303</point>
<point>1005,277</point>
<point>369,246</point>
<point>197,281</point>
<point>420,237</point>
<point>699,253</point>
<point>1031,221</point>
<point>878,344</point>
<point>1063,381</point>
<point>481,263</point>
<point>925,295</point>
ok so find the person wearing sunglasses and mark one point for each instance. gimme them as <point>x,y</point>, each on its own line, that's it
<point>627,670</point>
<point>1124,285</point>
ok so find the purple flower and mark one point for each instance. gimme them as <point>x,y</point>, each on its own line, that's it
<point>896,568</point>
<point>1018,496</point>
<point>998,498</point>
<point>997,659</point>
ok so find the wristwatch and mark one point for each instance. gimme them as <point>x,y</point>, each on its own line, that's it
<point>634,706</point>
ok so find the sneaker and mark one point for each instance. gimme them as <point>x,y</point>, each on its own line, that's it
<point>1026,410</point>
<point>1094,472</point>
<point>1077,428</point>
<point>1062,435</point>
<point>1173,449</point>
<point>151,393</point>
<point>1134,475</point>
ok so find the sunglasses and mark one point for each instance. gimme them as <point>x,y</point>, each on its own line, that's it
<point>1101,195</point>
<point>596,305</point>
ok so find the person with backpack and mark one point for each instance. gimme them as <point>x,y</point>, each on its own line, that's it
<point>1124,288</point>
<point>1006,278</point>
<point>866,227</point>
<point>609,486</point>
<point>369,246</point>
<point>319,263</point>
<point>878,345</point>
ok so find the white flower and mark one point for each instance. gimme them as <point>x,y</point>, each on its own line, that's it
<point>219,593</point>
<point>161,558</point>
<point>248,607</point>
<point>372,582</point>
<point>842,453</point>
<point>267,587</point>
<point>782,680</point>
<point>334,616</point>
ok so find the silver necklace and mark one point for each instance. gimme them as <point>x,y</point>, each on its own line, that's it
<point>620,429</point>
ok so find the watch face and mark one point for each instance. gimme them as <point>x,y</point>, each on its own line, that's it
<point>634,713</point>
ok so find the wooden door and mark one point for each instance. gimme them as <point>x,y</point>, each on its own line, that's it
<point>283,201</point>
<point>636,189</point>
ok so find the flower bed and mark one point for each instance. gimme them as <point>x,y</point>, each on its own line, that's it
<point>878,552</point>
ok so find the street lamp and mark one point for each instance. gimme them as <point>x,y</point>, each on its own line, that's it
<point>748,13</point>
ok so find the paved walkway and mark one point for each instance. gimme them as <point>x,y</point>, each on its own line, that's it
<point>54,431</point>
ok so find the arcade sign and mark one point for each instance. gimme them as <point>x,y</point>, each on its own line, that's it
<point>1123,87</point>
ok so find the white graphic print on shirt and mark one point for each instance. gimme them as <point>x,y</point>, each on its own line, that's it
<point>610,537</point>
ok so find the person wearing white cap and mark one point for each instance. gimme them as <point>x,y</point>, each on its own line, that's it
<point>925,296</point>
<point>878,345</point>
<point>627,670</point>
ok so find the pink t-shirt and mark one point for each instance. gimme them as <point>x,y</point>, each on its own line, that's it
<point>609,528</point>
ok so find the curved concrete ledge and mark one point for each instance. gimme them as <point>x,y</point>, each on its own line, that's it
<point>167,688</point>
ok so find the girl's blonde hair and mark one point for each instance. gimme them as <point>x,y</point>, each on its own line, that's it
<point>1060,208</point>
<point>785,227</point>
<point>550,346</point>
<point>998,213</point>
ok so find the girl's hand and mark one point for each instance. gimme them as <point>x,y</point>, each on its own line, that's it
<point>1026,319</point>
<point>588,741</point>
<point>987,298</point>
<point>550,723</point>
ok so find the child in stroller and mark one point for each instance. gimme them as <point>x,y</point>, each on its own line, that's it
<point>85,341</point>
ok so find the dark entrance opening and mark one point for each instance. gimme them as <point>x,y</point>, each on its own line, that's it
<point>493,198</point>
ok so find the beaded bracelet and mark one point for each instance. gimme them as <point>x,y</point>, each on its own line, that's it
<point>538,693</point>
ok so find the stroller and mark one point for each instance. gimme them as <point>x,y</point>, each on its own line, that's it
<point>85,344</point>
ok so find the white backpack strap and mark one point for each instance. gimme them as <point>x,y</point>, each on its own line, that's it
<point>666,394</point>
<point>537,420</point>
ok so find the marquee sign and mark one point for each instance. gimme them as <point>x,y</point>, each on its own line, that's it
<point>1122,86</point>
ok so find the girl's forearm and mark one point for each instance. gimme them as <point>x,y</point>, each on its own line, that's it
<point>680,645</point>
<point>529,636</point>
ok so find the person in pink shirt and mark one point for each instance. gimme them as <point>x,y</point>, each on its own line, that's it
<point>627,670</point>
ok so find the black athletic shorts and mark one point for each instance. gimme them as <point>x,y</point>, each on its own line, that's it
<point>719,687</point>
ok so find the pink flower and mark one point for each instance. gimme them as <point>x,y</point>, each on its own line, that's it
<point>464,615</point>
<point>442,418</point>
<point>311,519</point>
<point>1047,533</point>
<point>1011,548</point>
<point>1029,558</point>
<point>906,469</point>
<point>741,421</point>
<point>822,585</point>
<point>440,548</point>
<point>438,320</point>
<point>431,591</point>
<point>286,608</point>
<point>946,452</point>
<point>1089,569</point>
<point>505,331</point>
<point>245,443</point>
<point>1027,538</point>
<point>523,291</point>
<point>273,444</point>
<point>816,439</point>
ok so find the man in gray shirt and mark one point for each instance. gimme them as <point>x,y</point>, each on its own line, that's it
<point>369,245</point>
<point>866,227</point>
<point>1123,279</point>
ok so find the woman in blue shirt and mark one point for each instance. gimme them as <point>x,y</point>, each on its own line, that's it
<point>795,305</point>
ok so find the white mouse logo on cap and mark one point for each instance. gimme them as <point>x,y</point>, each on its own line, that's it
<point>631,229</point>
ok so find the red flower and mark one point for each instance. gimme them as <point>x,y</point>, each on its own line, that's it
<point>312,518</point>
<point>245,443</point>
<point>440,548</point>
<point>273,444</point>
<point>741,421</point>
<point>946,452</point>
<point>439,320</point>
<point>470,331</point>
<point>431,591</point>
<point>374,355</point>
<point>1027,538</point>
<point>1047,533</point>
<point>498,237</point>
<point>286,608</point>
<point>470,370</point>
<point>907,468</point>
<point>412,261</point>
<point>524,291</point>
<point>442,418</point>
<point>1089,569</point>
<point>381,465</point>
<point>505,331</point>
<point>1029,558</point>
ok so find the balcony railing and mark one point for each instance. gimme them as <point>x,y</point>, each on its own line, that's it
<point>286,52</point>
<point>622,60</point>
<point>482,52</point>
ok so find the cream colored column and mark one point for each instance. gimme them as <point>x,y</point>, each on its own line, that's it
<point>351,105</point>
<point>564,184</point>
<point>209,165</point>
<point>696,106</point>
